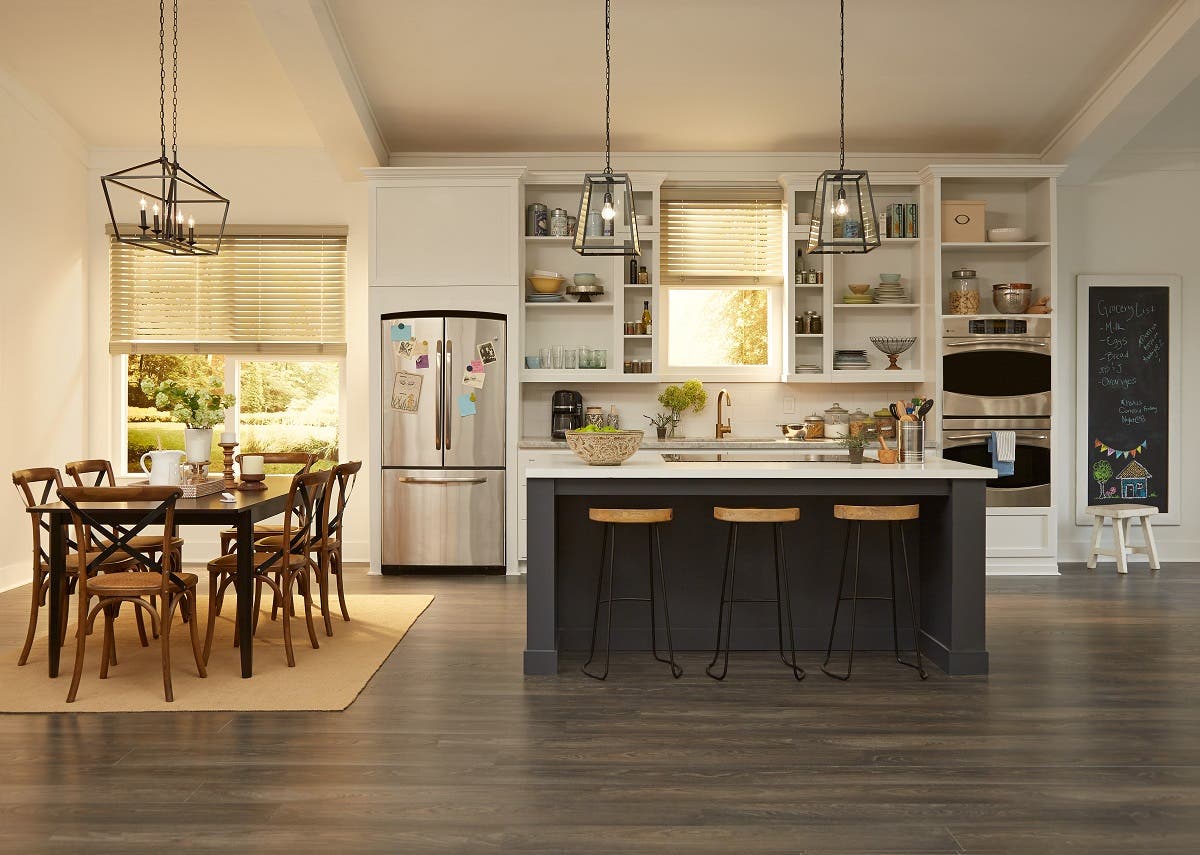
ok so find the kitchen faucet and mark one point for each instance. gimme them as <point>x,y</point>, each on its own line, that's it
<point>727,427</point>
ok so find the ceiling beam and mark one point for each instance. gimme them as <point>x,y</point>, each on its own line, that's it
<point>310,48</point>
<point>1157,70</point>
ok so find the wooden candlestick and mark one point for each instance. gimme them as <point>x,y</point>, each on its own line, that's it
<point>252,482</point>
<point>229,482</point>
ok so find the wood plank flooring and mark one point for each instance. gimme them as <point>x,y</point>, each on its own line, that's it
<point>1085,738</point>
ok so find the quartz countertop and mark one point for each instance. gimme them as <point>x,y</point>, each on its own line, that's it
<point>656,468</point>
<point>772,443</point>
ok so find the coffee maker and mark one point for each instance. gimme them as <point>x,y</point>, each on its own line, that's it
<point>566,412</point>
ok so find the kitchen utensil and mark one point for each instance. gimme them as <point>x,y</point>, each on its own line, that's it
<point>893,346</point>
<point>1012,298</point>
<point>546,284</point>
<point>1008,234</point>
<point>894,411</point>
<point>924,409</point>
<point>585,292</point>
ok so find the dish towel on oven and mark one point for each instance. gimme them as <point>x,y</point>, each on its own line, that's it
<point>1002,444</point>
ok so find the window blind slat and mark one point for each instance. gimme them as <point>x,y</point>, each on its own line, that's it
<point>722,239</point>
<point>263,294</point>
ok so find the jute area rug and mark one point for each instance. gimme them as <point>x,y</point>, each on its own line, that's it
<point>329,678</point>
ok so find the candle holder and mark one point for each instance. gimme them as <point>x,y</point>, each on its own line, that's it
<point>252,482</point>
<point>230,483</point>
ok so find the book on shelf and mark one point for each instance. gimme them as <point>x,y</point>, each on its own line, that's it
<point>902,220</point>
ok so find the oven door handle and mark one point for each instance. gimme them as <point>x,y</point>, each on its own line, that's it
<point>1020,435</point>
<point>982,339</point>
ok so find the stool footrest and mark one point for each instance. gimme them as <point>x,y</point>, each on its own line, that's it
<point>751,602</point>
<point>625,600</point>
<point>848,599</point>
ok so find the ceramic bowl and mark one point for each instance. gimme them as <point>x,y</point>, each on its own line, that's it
<point>889,278</point>
<point>533,362</point>
<point>1009,234</point>
<point>546,284</point>
<point>584,278</point>
<point>859,287</point>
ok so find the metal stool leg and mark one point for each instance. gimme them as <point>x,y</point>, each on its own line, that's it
<point>610,542</point>
<point>892,600</point>
<point>912,612</point>
<point>783,590</point>
<point>727,590</point>
<point>676,671</point>
<point>853,606</point>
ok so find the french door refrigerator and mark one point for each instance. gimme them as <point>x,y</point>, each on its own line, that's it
<point>443,442</point>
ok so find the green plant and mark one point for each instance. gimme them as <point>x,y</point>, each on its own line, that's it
<point>853,442</point>
<point>689,396</point>
<point>661,420</point>
<point>199,406</point>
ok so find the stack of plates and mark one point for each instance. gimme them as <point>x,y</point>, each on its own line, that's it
<point>543,298</point>
<point>858,299</point>
<point>890,292</point>
<point>808,368</point>
<point>850,360</point>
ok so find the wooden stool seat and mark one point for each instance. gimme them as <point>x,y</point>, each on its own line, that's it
<point>630,515</point>
<point>1122,516</point>
<point>880,513</point>
<point>757,515</point>
<point>136,583</point>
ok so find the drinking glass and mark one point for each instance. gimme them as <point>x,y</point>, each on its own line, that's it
<point>556,353</point>
<point>600,358</point>
<point>570,357</point>
<point>545,355</point>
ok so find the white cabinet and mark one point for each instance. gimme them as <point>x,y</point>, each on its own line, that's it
<point>438,227</point>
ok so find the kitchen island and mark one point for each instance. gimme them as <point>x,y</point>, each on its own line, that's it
<point>947,552</point>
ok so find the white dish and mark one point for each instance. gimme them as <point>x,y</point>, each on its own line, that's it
<point>1008,234</point>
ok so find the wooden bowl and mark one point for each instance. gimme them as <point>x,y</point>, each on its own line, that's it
<point>888,455</point>
<point>859,287</point>
<point>604,449</point>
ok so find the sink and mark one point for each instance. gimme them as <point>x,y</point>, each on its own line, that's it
<point>760,457</point>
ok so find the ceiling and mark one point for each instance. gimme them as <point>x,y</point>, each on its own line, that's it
<point>735,75</point>
<point>527,75</point>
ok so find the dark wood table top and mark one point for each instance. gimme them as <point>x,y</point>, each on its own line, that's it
<point>206,509</point>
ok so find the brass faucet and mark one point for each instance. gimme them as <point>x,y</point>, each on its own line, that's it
<point>727,427</point>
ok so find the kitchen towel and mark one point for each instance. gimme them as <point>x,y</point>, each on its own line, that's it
<point>1002,444</point>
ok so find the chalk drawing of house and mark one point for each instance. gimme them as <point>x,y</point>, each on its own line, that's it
<point>1134,480</point>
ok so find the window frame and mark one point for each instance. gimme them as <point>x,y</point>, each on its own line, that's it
<point>770,371</point>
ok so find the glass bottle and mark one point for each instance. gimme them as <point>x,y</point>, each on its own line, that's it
<point>646,319</point>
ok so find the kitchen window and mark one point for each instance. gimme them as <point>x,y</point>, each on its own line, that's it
<point>266,316</point>
<point>722,276</point>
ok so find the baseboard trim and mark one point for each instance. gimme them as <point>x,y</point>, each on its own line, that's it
<point>14,576</point>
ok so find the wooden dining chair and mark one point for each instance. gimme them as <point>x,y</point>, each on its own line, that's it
<point>280,458</point>
<point>281,569</point>
<point>326,546</point>
<point>40,487</point>
<point>162,577</point>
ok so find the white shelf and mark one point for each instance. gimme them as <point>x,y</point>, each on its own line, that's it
<point>637,378</point>
<point>811,377</point>
<point>808,286</point>
<point>627,287</point>
<point>877,305</point>
<point>568,375</point>
<point>882,376</point>
<point>906,241</point>
<point>647,337</point>
<point>549,239</point>
<point>566,306</point>
<point>992,316</point>
<point>998,246</point>
<point>810,335</point>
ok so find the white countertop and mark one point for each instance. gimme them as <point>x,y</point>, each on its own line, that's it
<point>655,467</point>
<point>758,443</point>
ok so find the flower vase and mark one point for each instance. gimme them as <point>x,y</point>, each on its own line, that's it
<point>675,418</point>
<point>197,443</point>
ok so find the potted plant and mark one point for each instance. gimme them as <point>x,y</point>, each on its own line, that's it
<point>678,399</point>
<point>854,446</point>
<point>198,409</point>
<point>661,422</point>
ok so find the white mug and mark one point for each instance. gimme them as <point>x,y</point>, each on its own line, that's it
<point>164,467</point>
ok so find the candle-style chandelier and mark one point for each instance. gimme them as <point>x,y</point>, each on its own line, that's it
<point>177,198</point>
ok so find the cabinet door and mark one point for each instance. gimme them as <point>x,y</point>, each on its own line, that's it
<point>440,235</point>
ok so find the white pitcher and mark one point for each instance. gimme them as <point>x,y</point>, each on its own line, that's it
<point>164,467</point>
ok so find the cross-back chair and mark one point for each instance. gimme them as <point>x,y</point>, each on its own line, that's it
<point>270,458</point>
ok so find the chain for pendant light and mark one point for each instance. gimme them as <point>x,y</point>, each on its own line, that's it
<point>842,102</point>
<point>162,78</point>
<point>175,77</point>
<point>607,85</point>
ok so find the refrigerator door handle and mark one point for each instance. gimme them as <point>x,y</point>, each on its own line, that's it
<point>449,374</point>
<point>437,415</point>
<point>410,479</point>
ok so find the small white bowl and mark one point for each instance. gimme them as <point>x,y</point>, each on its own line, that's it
<point>1008,234</point>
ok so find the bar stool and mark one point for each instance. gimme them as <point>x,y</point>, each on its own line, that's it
<point>613,517</point>
<point>783,599</point>
<point>855,516</point>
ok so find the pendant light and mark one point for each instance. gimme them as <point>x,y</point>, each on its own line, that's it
<point>595,229</point>
<point>843,218</point>
<point>177,199</point>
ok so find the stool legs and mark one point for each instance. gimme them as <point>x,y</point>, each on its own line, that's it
<point>853,603</point>
<point>783,605</point>
<point>912,608</point>
<point>1151,546</point>
<point>654,543</point>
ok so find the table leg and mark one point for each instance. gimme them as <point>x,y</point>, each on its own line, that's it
<point>245,592</point>
<point>58,574</point>
<point>541,630</point>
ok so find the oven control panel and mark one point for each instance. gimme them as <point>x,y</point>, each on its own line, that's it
<point>996,326</point>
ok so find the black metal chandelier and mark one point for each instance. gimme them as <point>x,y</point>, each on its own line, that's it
<point>177,198</point>
<point>843,218</point>
<point>596,227</point>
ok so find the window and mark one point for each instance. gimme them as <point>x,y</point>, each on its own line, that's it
<point>266,317</point>
<point>722,276</point>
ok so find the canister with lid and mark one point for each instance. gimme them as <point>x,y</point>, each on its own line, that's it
<point>860,423</point>
<point>885,425</point>
<point>837,422</point>
<point>537,220</point>
<point>558,223</point>
<point>964,292</point>
<point>814,427</point>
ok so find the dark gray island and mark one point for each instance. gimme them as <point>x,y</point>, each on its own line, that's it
<point>946,550</point>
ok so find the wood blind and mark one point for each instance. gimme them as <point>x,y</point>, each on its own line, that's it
<point>275,294</point>
<point>722,238</point>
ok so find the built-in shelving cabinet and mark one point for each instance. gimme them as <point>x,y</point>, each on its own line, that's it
<point>850,326</point>
<point>598,325</point>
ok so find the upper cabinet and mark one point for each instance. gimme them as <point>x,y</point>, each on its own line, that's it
<point>438,227</point>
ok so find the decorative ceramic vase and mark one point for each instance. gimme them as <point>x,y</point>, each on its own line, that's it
<point>197,443</point>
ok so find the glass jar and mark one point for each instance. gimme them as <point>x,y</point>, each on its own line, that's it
<point>814,427</point>
<point>885,425</point>
<point>859,422</point>
<point>964,292</point>
<point>837,422</point>
<point>558,223</point>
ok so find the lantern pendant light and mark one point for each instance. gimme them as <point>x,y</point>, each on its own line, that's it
<point>596,227</point>
<point>843,218</point>
<point>178,200</point>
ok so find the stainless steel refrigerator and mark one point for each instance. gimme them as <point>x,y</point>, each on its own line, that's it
<point>443,441</point>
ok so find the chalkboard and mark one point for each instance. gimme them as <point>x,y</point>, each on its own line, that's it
<point>1129,353</point>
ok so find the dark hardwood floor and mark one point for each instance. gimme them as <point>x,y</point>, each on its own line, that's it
<point>1085,738</point>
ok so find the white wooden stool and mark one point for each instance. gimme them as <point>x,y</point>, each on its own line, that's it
<point>1122,517</point>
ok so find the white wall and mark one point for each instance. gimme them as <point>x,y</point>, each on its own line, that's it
<point>266,186</point>
<point>1133,218</point>
<point>43,340</point>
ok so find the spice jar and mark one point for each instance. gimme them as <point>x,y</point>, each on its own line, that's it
<point>814,427</point>
<point>837,422</point>
<point>859,423</point>
<point>964,292</point>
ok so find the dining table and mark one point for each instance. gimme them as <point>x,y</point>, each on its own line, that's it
<point>247,508</point>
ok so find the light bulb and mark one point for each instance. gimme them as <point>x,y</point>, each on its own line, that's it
<point>840,207</point>
<point>191,222</point>
<point>156,209</point>
<point>142,202</point>
<point>608,212</point>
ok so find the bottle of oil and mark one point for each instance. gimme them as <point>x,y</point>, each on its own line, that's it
<point>646,320</point>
